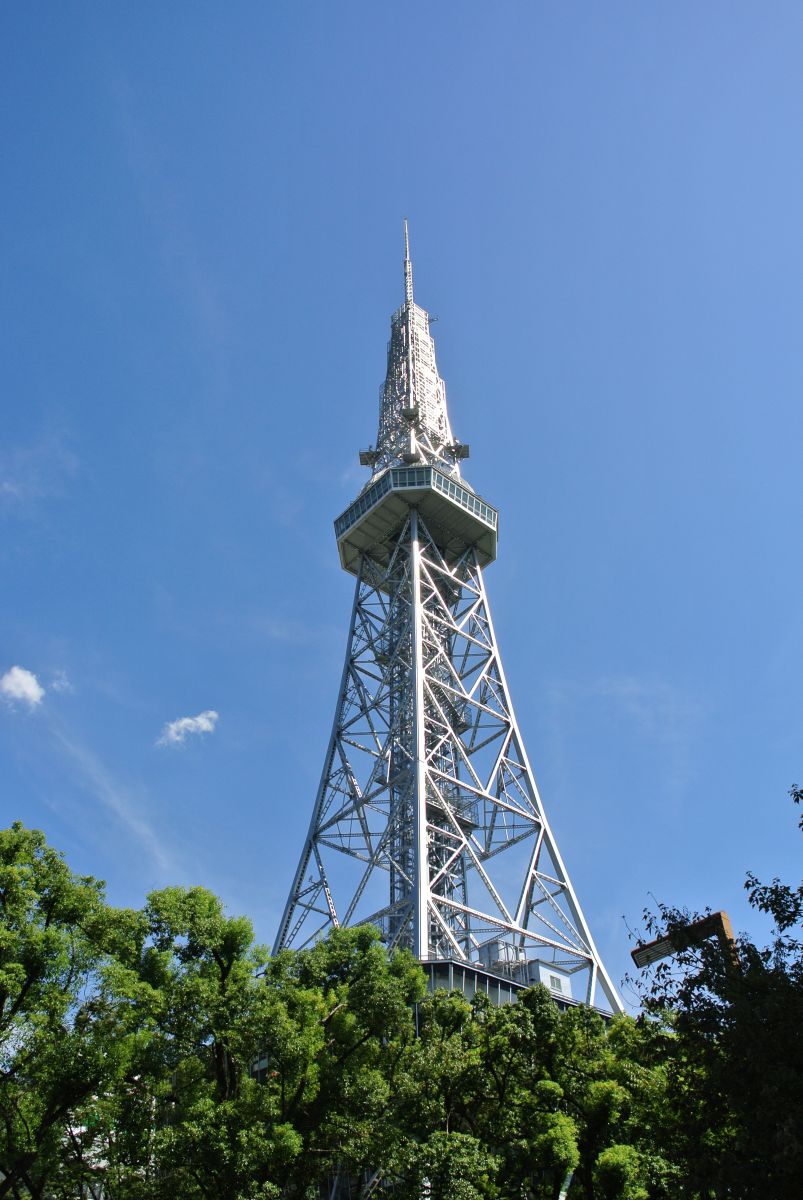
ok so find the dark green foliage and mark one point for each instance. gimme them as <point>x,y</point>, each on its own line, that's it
<point>67,1034</point>
<point>734,1103</point>
<point>159,1054</point>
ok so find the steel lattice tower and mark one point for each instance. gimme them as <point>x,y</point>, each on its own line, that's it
<point>428,822</point>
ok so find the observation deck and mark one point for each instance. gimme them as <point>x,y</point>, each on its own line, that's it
<point>455,516</point>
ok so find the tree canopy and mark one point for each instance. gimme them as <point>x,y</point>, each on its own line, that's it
<point>160,1052</point>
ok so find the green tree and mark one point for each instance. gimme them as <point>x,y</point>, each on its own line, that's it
<point>181,1126</point>
<point>544,1096</point>
<point>67,1037</point>
<point>446,1166</point>
<point>265,1077</point>
<point>617,1174</point>
<point>353,1010</point>
<point>161,1053</point>
<point>735,1064</point>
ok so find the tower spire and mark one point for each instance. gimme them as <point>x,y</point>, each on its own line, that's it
<point>413,420</point>
<point>408,267</point>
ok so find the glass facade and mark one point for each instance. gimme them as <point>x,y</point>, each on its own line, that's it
<point>361,505</point>
<point>466,499</point>
<point>402,478</point>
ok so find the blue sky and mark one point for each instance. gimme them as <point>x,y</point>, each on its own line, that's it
<point>201,236</point>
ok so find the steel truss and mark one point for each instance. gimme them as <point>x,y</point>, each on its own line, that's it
<point>427,821</point>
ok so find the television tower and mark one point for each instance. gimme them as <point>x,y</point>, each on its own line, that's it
<point>428,822</point>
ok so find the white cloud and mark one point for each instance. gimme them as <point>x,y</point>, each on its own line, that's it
<point>175,732</point>
<point>19,684</point>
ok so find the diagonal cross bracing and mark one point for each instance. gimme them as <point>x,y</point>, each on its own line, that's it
<point>483,827</point>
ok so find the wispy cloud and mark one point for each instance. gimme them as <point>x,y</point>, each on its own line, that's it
<point>353,474</point>
<point>285,504</point>
<point>279,629</point>
<point>115,798</point>
<point>20,685</point>
<point>220,626</point>
<point>658,712</point>
<point>176,732</point>
<point>61,682</point>
<point>169,216</point>
<point>660,709</point>
<point>34,472</point>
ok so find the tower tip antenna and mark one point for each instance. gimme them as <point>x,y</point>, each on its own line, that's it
<point>408,267</point>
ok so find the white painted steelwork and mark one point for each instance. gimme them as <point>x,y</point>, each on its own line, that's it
<point>413,421</point>
<point>427,821</point>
